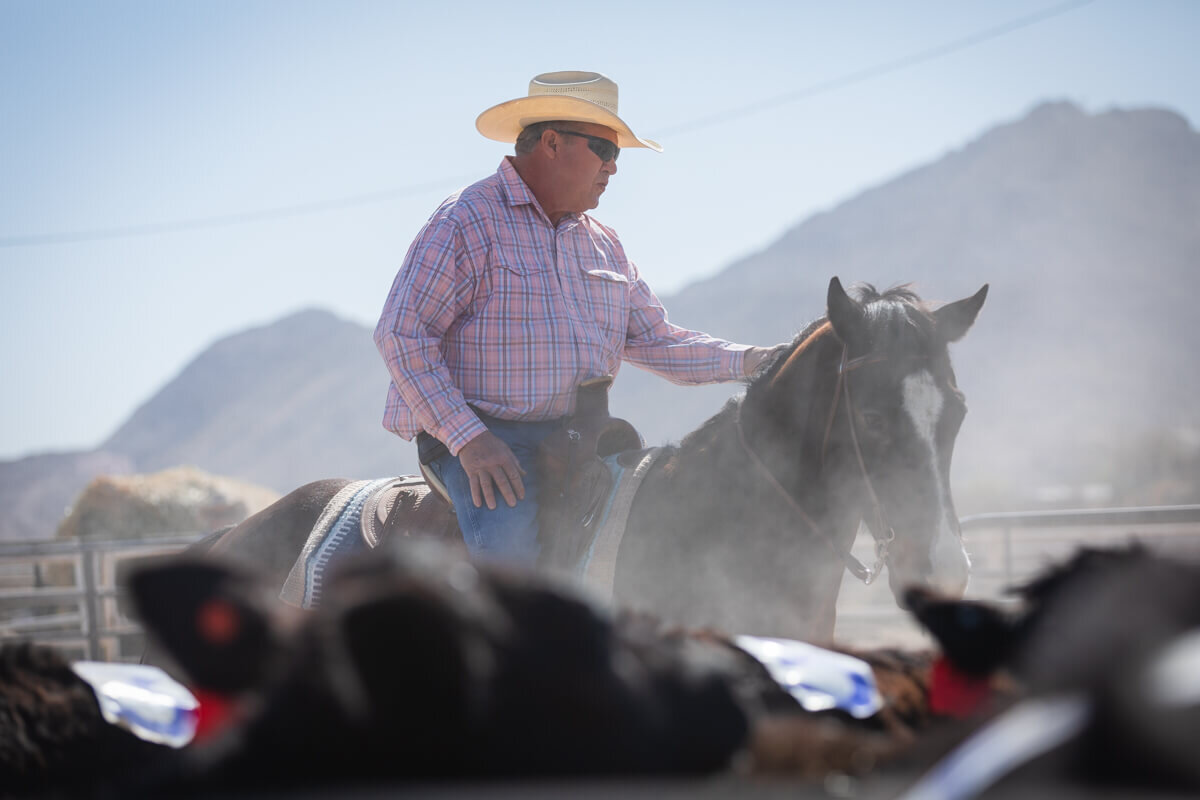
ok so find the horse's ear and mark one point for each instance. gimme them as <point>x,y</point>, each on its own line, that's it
<point>955,319</point>
<point>214,620</point>
<point>844,314</point>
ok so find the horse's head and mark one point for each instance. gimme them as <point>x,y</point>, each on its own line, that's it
<point>893,426</point>
<point>858,421</point>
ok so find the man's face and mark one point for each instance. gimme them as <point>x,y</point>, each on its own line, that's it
<point>581,175</point>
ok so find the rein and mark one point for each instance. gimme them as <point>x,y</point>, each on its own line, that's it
<point>841,390</point>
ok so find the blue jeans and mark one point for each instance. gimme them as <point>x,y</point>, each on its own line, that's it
<point>502,534</point>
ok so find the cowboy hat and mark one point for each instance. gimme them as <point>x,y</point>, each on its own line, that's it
<point>570,95</point>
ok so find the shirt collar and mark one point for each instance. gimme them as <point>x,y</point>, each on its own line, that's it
<point>515,190</point>
<point>517,193</point>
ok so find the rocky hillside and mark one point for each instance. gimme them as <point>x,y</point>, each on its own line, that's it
<point>1086,226</point>
<point>280,405</point>
<point>276,406</point>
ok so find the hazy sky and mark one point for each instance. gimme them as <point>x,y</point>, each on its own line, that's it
<point>273,156</point>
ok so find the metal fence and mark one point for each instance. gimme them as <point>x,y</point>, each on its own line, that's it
<point>1008,548</point>
<point>65,592</point>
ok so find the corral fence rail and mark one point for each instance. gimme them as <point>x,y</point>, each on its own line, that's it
<point>1172,528</point>
<point>1009,548</point>
<point>65,592</point>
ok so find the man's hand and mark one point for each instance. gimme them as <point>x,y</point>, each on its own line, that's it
<point>488,461</point>
<point>755,357</point>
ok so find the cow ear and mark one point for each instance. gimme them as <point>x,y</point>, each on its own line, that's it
<point>975,637</point>
<point>211,619</point>
<point>955,319</point>
<point>845,315</point>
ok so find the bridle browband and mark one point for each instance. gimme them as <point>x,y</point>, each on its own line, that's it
<point>841,390</point>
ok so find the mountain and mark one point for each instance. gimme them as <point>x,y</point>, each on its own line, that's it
<point>280,405</point>
<point>1087,228</point>
<point>1082,363</point>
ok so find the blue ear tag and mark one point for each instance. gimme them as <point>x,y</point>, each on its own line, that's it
<point>142,699</point>
<point>819,679</point>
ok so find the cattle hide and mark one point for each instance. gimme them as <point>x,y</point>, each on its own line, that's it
<point>419,664</point>
<point>1110,637</point>
<point>54,740</point>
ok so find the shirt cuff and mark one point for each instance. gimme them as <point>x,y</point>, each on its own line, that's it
<point>737,360</point>
<point>460,429</point>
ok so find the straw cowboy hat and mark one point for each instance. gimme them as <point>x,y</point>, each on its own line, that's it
<point>570,95</point>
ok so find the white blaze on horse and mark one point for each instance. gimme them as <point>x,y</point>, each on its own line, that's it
<point>747,524</point>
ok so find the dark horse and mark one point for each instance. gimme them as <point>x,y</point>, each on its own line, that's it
<point>747,523</point>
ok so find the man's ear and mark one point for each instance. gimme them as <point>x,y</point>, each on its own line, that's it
<point>551,140</point>
<point>213,620</point>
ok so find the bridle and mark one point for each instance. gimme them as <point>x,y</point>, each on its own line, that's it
<point>882,541</point>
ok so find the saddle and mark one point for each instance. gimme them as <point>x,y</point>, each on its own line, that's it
<point>409,506</point>
<point>575,484</point>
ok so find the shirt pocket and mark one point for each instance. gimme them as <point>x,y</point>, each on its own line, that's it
<point>607,303</point>
<point>512,291</point>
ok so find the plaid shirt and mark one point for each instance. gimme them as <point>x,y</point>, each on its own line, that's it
<point>496,307</point>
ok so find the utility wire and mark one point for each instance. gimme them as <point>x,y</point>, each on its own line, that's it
<point>283,212</point>
<point>877,70</point>
<point>226,220</point>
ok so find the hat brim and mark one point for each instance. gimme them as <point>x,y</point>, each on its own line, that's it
<point>504,122</point>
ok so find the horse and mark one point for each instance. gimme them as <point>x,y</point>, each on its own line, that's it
<point>747,523</point>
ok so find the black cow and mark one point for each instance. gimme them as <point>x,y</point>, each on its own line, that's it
<point>1104,649</point>
<point>54,741</point>
<point>418,664</point>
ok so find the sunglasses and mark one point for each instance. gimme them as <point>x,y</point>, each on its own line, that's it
<point>603,148</point>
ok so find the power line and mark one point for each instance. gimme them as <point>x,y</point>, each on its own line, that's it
<point>284,212</point>
<point>225,220</point>
<point>877,70</point>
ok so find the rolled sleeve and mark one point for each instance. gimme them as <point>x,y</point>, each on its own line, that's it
<point>680,355</point>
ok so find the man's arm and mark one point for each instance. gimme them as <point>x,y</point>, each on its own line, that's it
<point>432,288</point>
<point>430,291</point>
<point>681,355</point>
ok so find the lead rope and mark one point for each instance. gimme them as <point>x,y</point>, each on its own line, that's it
<point>884,540</point>
<point>856,567</point>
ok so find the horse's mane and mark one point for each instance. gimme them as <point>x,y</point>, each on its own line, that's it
<point>897,314</point>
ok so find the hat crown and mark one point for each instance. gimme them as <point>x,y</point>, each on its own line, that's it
<point>590,86</point>
<point>571,95</point>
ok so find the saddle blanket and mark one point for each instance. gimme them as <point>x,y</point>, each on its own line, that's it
<point>598,563</point>
<point>337,533</point>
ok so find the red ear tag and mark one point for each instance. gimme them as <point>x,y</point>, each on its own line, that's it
<point>218,622</point>
<point>953,693</point>
<point>214,713</point>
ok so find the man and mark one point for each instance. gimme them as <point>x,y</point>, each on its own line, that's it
<point>511,295</point>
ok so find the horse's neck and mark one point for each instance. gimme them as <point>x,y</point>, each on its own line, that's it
<point>786,424</point>
<point>784,421</point>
